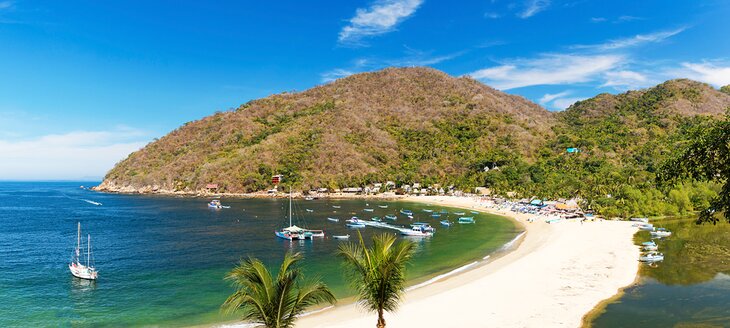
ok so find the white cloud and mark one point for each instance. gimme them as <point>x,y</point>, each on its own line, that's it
<point>627,18</point>
<point>563,103</point>
<point>548,69</point>
<point>626,80</point>
<point>381,17</point>
<point>532,7</point>
<point>598,19</point>
<point>548,97</point>
<point>335,74</point>
<point>71,155</point>
<point>633,41</point>
<point>705,72</point>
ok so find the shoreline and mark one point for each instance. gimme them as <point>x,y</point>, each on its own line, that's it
<point>544,281</point>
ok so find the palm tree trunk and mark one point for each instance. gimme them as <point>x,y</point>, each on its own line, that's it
<point>381,320</point>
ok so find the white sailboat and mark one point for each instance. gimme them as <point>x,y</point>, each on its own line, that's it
<point>293,232</point>
<point>77,269</point>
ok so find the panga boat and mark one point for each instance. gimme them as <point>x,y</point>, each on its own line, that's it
<point>646,227</point>
<point>459,213</point>
<point>648,248</point>
<point>333,219</point>
<point>215,204</point>
<point>660,233</point>
<point>466,220</point>
<point>406,212</point>
<point>416,231</point>
<point>391,217</point>
<point>474,212</point>
<point>383,206</point>
<point>651,257</point>
<point>77,269</point>
<point>427,210</point>
<point>341,237</point>
<point>436,215</point>
<point>446,223</point>
<point>310,211</point>
<point>368,210</point>
<point>648,243</point>
<point>336,206</point>
<point>376,219</point>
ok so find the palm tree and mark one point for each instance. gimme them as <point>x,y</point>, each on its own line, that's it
<point>273,301</point>
<point>378,273</point>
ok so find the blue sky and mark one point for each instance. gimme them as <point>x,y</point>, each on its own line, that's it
<point>83,83</point>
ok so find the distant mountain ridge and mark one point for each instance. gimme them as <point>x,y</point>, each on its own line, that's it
<point>406,125</point>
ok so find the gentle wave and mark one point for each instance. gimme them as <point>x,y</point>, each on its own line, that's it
<point>439,277</point>
<point>511,242</point>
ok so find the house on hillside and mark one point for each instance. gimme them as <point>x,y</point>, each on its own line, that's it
<point>211,187</point>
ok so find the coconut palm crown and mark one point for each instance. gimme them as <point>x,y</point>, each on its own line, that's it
<point>378,272</point>
<point>274,302</point>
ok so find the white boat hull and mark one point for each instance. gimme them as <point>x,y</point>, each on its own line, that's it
<point>82,271</point>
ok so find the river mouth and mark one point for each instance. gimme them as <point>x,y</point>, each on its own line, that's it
<point>690,288</point>
<point>162,259</point>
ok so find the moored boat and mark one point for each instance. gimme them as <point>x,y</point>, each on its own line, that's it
<point>383,206</point>
<point>333,219</point>
<point>341,237</point>
<point>368,210</point>
<point>215,204</point>
<point>474,212</point>
<point>78,269</point>
<point>427,210</point>
<point>336,206</point>
<point>652,257</point>
<point>435,215</point>
<point>660,233</point>
<point>466,220</point>
<point>406,212</point>
<point>648,248</point>
<point>416,231</point>
<point>391,217</point>
<point>446,223</point>
<point>459,213</point>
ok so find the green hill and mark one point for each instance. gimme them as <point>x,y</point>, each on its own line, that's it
<point>422,125</point>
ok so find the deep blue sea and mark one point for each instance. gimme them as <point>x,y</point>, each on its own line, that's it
<point>161,259</point>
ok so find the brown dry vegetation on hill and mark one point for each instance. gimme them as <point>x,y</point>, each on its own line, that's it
<point>402,124</point>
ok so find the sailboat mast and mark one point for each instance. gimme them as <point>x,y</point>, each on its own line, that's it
<point>78,241</point>
<point>88,249</point>
<point>290,206</point>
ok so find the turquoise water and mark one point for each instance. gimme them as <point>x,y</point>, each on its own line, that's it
<point>162,259</point>
<point>690,288</point>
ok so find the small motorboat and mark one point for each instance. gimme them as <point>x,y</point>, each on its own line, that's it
<point>215,204</point>
<point>391,217</point>
<point>333,219</point>
<point>646,227</point>
<point>376,219</point>
<point>406,212</point>
<point>446,223</point>
<point>459,213</point>
<point>436,215</point>
<point>368,210</point>
<point>308,198</point>
<point>444,212</point>
<point>355,225</point>
<point>342,237</point>
<point>336,206</point>
<point>424,226</point>
<point>652,257</point>
<point>660,233</point>
<point>474,212</point>
<point>649,248</point>
<point>648,243</point>
<point>383,206</point>
<point>466,220</point>
<point>427,210</point>
<point>310,211</point>
<point>416,231</point>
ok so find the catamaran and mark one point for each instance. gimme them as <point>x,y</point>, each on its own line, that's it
<point>79,270</point>
<point>293,232</point>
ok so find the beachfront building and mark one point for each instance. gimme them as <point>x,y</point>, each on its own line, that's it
<point>352,190</point>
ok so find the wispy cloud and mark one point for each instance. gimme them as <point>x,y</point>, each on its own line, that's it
<point>69,155</point>
<point>563,103</point>
<point>627,18</point>
<point>492,15</point>
<point>598,19</point>
<point>412,57</point>
<point>335,74</point>
<point>381,17</point>
<point>547,69</point>
<point>633,41</point>
<point>548,97</point>
<point>532,7</point>
<point>704,72</point>
<point>6,4</point>
<point>626,79</point>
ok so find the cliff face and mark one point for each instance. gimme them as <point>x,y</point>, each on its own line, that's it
<point>401,124</point>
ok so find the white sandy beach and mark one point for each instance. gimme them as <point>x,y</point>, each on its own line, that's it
<point>557,274</point>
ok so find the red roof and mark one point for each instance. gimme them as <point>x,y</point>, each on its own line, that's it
<point>211,186</point>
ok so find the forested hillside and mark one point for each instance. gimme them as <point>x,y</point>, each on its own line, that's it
<point>422,125</point>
